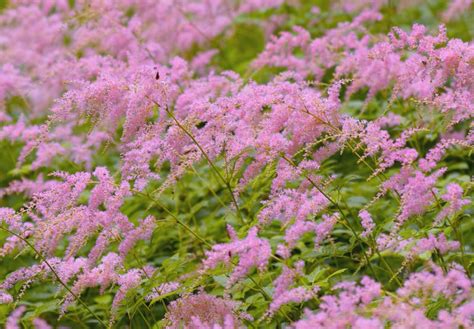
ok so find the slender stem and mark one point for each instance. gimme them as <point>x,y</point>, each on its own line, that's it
<point>178,221</point>
<point>387,265</point>
<point>347,223</point>
<point>353,150</point>
<point>208,159</point>
<point>459,237</point>
<point>209,187</point>
<point>144,318</point>
<point>43,259</point>
<point>198,237</point>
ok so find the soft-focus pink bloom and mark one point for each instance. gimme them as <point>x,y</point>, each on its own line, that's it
<point>252,252</point>
<point>13,320</point>
<point>202,311</point>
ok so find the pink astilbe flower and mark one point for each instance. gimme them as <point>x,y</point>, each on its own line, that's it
<point>319,54</point>
<point>358,5</point>
<point>417,195</point>
<point>51,201</point>
<point>454,201</point>
<point>344,309</point>
<point>39,323</point>
<point>14,318</point>
<point>459,317</point>
<point>412,247</point>
<point>294,295</point>
<point>49,143</point>
<point>293,204</point>
<point>142,232</point>
<point>456,8</point>
<point>233,126</point>
<point>229,323</point>
<point>420,290</point>
<point>13,221</point>
<point>429,65</point>
<point>389,120</point>
<point>39,76</point>
<point>103,190</point>
<point>54,218</point>
<point>108,193</point>
<point>126,282</point>
<point>12,83</point>
<point>103,275</point>
<point>377,140</point>
<point>202,311</point>
<point>26,186</point>
<point>321,230</point>
<point>252,252</point>
<point>55,214</point>
<point>363,307</point>
<point>433,242</point>
<point>297,230</point>
<point>279,52</point>
<point>201,60</point>
<point>454,285</point>
<point>5,298</point>
<point>283,294</point>
<point>163,289</point>
<point>286,278</point>
<point>24,273</point>
<point>366,222</point>
<point>325,227</point>
<point>378,143</point>
<point>435,154</point>
<point>45,153</point>
<point>66,270</point>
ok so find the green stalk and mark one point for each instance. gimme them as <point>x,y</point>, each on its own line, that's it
<point>55,274</point>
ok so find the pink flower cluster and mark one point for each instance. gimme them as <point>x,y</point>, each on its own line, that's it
<point>252,252</point>
<point>202,311</point>
<point>364,306</point>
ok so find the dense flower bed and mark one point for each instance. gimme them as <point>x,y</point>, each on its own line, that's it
<point>229,164</point>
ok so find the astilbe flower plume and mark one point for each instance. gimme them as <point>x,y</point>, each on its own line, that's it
<point>163,289</point>
<point>202,311</point>
<point>252,252</point>
<point>283,294</point>
<point>367,222</point>
<point>343,310</point>
<point>364,306</point>
<point>14,318</point>
<point>454,201</point>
